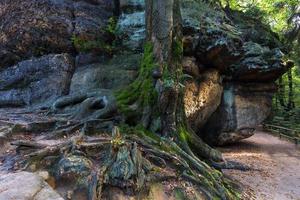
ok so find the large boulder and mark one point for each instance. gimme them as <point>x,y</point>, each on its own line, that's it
<point>26,186</point>
<point>36,81</point>
<point>242,109</point>
<point>247,55</point>
<point>202,98</point>
<point>38,27</point>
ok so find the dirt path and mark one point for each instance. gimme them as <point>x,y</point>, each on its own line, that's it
<point>276,163</point>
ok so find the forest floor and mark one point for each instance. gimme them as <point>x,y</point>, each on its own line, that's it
<point>275,164</point>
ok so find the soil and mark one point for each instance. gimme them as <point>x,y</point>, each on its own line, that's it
<point>275,163</point>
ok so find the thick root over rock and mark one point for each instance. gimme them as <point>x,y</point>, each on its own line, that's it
<point>129,162</point>
<point>93,105</point>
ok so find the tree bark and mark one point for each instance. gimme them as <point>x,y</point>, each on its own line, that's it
<point>290,104</point>
<point>281,92</point>
<point>161,32</point>
<point>164,31</point>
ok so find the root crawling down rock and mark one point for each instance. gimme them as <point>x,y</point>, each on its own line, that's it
<point>129,162</point>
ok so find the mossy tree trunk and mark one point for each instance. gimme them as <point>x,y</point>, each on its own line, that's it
<point>164,34</point>
<point>155,98</point>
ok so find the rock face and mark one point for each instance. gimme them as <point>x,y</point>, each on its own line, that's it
<point>259,64</point>
<point>37,27</point>
<point>242,109</point>
<point>36,80</point>
<point>246,54</point>
<point>115,74</point>
<point>131,24</point>
<point>210,36</point>
<point>26,186</point>
<point>68,40</point>
<point>203,98</point>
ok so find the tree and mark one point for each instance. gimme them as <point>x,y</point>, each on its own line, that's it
<point>153,117</point>
<point>160,81</point>
<point>161,77</point>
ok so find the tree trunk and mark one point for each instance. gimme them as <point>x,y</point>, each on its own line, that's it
<point>164,31</point>
<point>161,25</point>
<point>290,104</point>
<point>281,92</point>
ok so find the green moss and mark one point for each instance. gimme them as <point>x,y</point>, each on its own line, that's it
<point>177,49</point>
<point>139,130</point>
<point>112,26</point>
<point>84,45</point>
<point>183,134</point>
<point>146,135</point>
<point>142,90</point>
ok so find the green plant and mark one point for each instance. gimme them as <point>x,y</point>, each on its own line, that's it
<point>112,26</point>
<point>98,44</point>
<point>83,45</point>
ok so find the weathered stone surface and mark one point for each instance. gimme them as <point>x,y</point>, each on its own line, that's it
<point>37,27</point>
<point>241,48</point>
<point>26,186</point>
<point>191,67</point>
<point>242,109</point>
<point>132,4</point>
<point>210,35</point>
<point>259,64</point>
<point>202,98</point>
<point>131,24</point>
<point>34,81</point>
<point>253,30</point>
<point>113,74</point>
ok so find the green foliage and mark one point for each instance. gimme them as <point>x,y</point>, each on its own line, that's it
<point>112,26</point>
<point>184,135</point>
<point>296,87</point>
<point>83,45</point>
<point>98,44</point>
<point>141,91</point>
<point>273,12</point>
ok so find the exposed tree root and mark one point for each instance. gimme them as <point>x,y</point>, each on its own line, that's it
<point>227,164</point>
<point>93,105</point>
<point>131,162</point>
